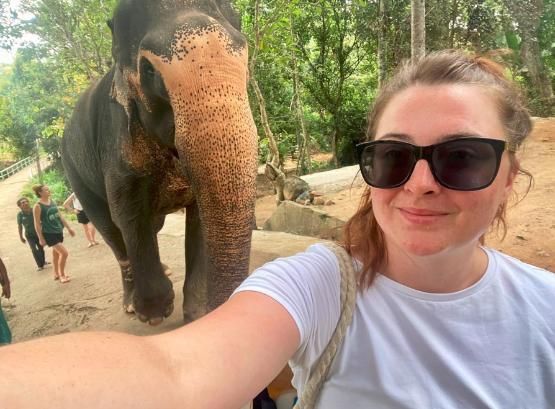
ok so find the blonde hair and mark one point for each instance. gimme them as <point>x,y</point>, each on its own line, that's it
<point>362,233</point>
<point>37,189</point>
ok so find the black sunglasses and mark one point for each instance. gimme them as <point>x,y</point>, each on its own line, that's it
<point>466,163</point>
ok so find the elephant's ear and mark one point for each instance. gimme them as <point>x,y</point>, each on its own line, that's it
<point>229,13</point>
<point>120,89</point>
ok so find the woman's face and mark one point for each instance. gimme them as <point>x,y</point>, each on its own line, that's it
<point>45,192</point>
<point>422,217</point>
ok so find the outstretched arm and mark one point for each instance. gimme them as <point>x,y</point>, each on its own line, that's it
<point>220,361</point>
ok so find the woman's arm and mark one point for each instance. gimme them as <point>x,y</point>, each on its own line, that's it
<point>66,225</point>
<point>220,361</point>
<point>38,224</point>
<point>68,204</point>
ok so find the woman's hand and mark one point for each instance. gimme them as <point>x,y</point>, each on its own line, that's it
<point>42,242</point>
<point>71,232</point>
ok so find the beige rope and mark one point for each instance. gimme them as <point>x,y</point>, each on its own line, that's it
<point>348,292</point>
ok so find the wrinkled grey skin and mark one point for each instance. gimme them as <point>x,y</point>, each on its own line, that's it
<point>288,187</point>
<point>169,127</point>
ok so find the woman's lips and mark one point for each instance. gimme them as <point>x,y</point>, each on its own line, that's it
<point>421,216</point>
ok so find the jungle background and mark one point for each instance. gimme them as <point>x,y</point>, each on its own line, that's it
<point>315,65</point>
<point>315,68</point>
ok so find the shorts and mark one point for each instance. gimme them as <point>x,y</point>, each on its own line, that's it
<point>53,238</point>
<point>82,217</point>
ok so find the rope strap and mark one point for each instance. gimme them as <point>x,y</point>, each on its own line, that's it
<point>348,292</point>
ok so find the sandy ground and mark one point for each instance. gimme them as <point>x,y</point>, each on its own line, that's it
<point>41,306</point>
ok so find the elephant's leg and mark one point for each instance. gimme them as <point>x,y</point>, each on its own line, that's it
<point>158,224</point>
<point>99,214</point>
<point>197,265</point>
<point>153,295</point>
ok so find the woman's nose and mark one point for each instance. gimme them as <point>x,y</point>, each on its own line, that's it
<point>422,180</point>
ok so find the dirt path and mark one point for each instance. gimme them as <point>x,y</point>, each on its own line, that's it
<point>41,306</point>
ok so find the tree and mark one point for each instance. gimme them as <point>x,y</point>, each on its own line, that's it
<point>527,17</point>
<point>331,37</point>
<point>418,29</point>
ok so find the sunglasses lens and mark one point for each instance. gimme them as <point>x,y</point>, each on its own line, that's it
<point>465,164</point>
<point>386,165</point>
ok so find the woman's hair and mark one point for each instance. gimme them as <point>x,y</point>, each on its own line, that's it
<point>363,235</point>
<point>37,189</point>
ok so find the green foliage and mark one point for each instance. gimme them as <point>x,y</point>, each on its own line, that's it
<point>334,44</point>
<point>55,180</point>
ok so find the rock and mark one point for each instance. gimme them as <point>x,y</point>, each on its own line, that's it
<point>291,217</point>
<point>329,202</point>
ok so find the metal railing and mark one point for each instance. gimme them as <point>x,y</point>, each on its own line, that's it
<point>16,167</point>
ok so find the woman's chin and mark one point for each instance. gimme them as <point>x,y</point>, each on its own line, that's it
<point>423,248</point>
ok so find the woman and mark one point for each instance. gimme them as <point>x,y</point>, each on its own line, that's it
<point>49,225</point>
<point>440,320</point>
<point>73,205</point>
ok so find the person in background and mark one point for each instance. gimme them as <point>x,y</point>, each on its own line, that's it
<point>25,221</point>
<point>73,205</point>
<point>49,225</point>
<point>5,333</point>
<point>440,321</point>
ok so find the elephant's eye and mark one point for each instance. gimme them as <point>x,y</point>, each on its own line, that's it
<point>146,68</point>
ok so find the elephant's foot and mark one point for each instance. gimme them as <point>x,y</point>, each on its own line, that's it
<point>128,287</point>
<point>155,302</point>
<point>192,311</point>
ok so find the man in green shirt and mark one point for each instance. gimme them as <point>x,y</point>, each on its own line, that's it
<point>25,221</point>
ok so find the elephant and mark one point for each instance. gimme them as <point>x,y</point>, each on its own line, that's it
<point>169,127</point>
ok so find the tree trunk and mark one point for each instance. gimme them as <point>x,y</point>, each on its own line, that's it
<point>418,29</point>
<point>275,159</point>
<point>527,15</point>
<point>304,162</point>
<point>382,43</point>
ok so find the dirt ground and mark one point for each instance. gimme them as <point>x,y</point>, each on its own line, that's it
<point>41,306</point>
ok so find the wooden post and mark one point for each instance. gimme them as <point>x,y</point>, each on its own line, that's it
<point>39,170</point>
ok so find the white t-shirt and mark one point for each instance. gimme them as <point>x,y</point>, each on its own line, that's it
<point>491,345</point>
<point>76,203</point>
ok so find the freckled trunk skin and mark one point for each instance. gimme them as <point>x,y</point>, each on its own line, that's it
<point>216,139</point>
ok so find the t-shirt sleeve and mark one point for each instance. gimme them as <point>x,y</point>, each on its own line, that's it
<point>307,285</point>
<point>19,221</point>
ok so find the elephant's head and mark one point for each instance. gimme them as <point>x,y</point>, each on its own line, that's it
<point>181,76</point>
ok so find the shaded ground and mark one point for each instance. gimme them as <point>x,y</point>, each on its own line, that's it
<point>41,306</point>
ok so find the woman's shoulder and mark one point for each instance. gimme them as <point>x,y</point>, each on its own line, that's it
<point>523,276</point>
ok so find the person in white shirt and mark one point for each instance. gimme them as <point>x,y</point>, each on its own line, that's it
<point>73,205</point>
<point>441,322</point>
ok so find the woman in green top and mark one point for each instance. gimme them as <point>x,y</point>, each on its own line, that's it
<point>49,225</point>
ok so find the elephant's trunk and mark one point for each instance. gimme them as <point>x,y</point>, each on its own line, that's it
<point>216,140</point>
